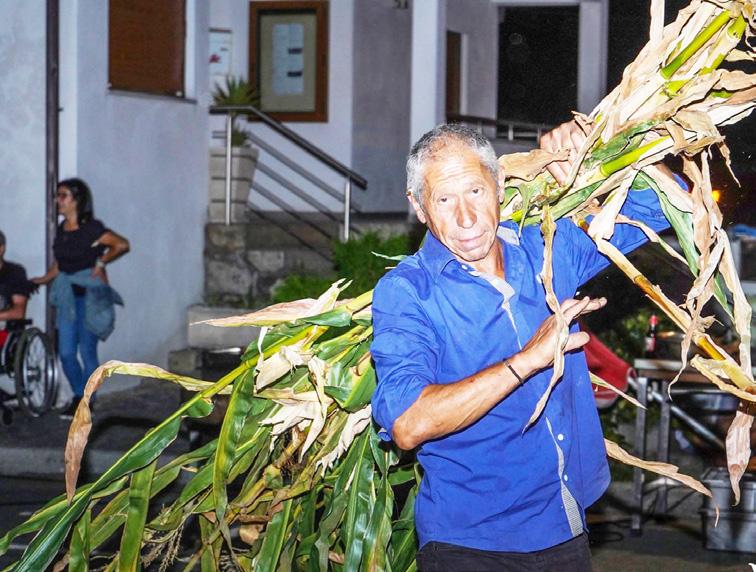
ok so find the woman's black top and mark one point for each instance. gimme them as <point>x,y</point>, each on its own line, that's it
<point>76,250</point>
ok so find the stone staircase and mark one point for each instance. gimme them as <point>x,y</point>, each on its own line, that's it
<point>243,262</point>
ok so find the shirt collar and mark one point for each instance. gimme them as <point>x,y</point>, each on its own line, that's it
<point>436,256</point>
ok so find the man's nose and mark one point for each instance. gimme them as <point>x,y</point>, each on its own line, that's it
<point>466,217</point>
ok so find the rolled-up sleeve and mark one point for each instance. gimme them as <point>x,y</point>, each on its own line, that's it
<point>642,206</point>
<point>404,349</point>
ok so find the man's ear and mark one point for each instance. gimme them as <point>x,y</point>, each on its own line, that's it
<point>417,207</point>
<point>500,184</point>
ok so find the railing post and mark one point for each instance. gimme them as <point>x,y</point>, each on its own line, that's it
<point>347,206</point>
<point>229,128</point>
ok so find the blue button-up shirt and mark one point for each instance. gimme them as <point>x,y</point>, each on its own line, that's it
<point>495,485</point>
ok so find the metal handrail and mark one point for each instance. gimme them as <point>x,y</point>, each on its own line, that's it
<point>295,138</point>
<point>511,127</point>
<point>231,111</point>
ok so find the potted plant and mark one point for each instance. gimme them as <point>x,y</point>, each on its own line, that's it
<point>235,91</point>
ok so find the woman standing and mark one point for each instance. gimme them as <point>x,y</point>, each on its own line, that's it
<point>80,292</point>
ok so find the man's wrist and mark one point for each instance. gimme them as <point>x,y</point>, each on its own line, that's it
<point>100,263</point>
<point>511,367</point>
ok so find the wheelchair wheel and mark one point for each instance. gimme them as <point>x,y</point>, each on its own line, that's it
<point>34,372</point>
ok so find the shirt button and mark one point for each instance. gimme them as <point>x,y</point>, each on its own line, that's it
<point>566,478</point>
<point>560,437</point>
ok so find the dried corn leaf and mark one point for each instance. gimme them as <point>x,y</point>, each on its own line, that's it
<point>280,363</point>
<point>283,312</point>
<point>526,166</point>
<point>619,454</point>
<point>596,380</point>
<point>738,445</point>
<point>602,225</point>
<point>81,425</point>
<point>548,229</point>
<point>355,424</point>
<point>714,370</point>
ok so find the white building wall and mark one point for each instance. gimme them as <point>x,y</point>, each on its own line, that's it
<point>478,22</point>
<point>333,136</point>
<point>381,108</point>
<point>145,158</point>
<point>22,132</point>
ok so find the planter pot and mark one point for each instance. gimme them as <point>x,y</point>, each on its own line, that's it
<point>243,163</point>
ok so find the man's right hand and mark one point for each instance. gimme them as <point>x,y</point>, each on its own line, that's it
<point>538,353</point>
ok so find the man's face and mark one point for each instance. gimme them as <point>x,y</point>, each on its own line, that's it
<point>460,204</point>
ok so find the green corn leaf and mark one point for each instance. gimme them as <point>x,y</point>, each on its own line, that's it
<point>78,553</point>
<point>112,517</point>
<point>378,534</point>
<point>238,408</point>
<point>136,516</point>
<point>404,538</point>
<point>361,498</point>
<point>211,555</point>
<point>338,317</point>
<point>275,534</point>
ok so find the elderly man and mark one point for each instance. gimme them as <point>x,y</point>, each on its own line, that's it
<point>463,348</point>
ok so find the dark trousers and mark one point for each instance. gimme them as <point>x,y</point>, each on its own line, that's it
<point>571,556</point>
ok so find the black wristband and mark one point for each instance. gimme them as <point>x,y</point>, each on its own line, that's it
<point>520,380</point>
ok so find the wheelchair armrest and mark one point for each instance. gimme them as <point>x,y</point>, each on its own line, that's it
<point>14,325</point>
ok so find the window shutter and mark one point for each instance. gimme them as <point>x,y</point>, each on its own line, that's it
<point>146,42</point>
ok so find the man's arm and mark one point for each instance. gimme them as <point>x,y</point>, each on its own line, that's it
<point>17,309</point>
<point>442,409</point>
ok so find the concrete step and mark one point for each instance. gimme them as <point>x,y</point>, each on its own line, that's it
<point>35,446</point>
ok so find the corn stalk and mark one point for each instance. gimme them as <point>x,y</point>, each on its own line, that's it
<point>314,487</point>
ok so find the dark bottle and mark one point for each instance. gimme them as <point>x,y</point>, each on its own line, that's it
<point>650,339</point>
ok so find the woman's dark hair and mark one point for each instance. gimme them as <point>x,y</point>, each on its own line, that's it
<point>83,196</point>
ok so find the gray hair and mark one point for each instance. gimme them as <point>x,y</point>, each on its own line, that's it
<point>436,139</point>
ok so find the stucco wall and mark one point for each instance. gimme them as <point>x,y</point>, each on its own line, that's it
<point>145,158</point>
<point>381,114</point>
<point>22,132</point>
<point>478,21</point>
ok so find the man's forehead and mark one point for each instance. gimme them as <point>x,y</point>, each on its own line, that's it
<point>454,160</point>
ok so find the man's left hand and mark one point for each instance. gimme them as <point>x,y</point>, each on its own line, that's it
<point>567,136</point>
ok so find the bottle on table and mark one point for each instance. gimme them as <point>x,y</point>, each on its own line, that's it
<point>649,351</point>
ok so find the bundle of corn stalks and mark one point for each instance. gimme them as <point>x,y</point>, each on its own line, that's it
<point>313,486</point>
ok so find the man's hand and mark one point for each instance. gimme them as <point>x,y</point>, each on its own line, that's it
<point>538,353</point>
<point>567,136</point>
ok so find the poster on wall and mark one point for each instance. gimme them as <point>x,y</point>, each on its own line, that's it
<point>220,55</point>
<point>288,62</point>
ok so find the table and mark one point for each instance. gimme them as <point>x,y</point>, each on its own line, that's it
<point>656,375</point>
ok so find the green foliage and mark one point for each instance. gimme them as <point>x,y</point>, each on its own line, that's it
<point>626,337</point>
<point>354,260</point>
<point>236,91</point>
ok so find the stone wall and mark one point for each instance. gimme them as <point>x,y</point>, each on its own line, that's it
<point>244,261</point>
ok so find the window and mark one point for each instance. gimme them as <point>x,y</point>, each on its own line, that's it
<point>146,46</point>
<point>288,58</point>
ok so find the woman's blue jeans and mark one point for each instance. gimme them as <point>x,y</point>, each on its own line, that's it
<point>75,339</point>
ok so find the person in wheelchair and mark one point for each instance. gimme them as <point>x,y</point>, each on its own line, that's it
<point>14,292</point>
<point>26,353</point>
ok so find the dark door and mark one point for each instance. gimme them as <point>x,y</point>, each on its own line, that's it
<point>453,73</point>
<point>538,64</point>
